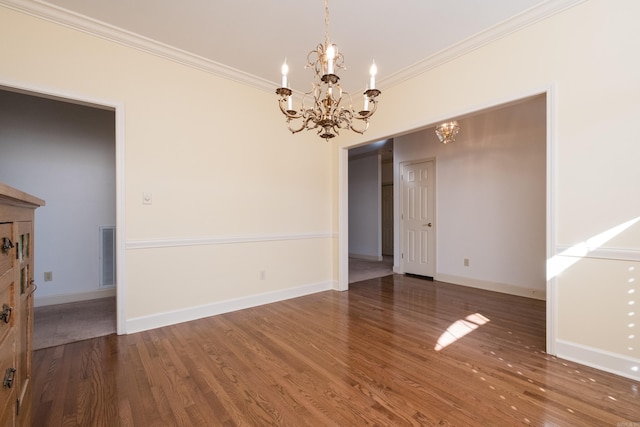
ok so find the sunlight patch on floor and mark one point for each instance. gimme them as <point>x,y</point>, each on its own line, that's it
<point>459,329</point>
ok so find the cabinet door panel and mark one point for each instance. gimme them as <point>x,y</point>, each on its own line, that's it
<point>7,305</point>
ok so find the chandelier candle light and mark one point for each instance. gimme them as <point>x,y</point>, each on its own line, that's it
<point>323,107</point>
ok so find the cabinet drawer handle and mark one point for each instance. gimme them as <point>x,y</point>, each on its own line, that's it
<point>7,245</point>
<point>6,313</point>
<point>8,377</point>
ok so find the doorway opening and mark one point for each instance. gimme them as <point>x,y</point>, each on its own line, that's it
<point>71,152</point>
<point>371,213</point>
<point>495,207</point>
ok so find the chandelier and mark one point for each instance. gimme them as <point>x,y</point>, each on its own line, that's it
<point>447,131</point>
<point>326,106</point>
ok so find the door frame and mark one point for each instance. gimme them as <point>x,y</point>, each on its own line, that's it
<point>550,90</point>
<point>385,189</point>
<point>118,109</point>
<point>399,218</point>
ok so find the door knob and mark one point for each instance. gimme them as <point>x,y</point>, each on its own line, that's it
<point>427,225</point>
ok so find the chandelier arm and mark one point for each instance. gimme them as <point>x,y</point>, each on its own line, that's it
<point>290,114</point>
<point>296,130</point>
<point>315,62</point>
<point>364,115</point>
<point>362,130</point>
<point>310,115</point>
<point>312,95</point>
<point>339,61</point>
<point>293,130</point>
<point>345,117</point>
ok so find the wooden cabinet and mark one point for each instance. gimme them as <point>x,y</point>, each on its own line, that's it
<point>16,304</point>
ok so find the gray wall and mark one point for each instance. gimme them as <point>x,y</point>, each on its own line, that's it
<point>65,154</point>
<point>365,239</point>
<point>490,197</point>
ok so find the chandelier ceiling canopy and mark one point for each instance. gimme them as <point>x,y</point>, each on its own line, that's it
<point>326,107</point>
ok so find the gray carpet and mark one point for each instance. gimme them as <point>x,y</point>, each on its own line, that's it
<point>54,325</point>
<point>363,270</point>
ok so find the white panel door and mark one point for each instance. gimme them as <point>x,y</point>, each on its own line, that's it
<point>417,222</point>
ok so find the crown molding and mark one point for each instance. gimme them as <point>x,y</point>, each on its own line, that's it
<point>503,29</point>
<point>67,18</point>
<point>55,14</point>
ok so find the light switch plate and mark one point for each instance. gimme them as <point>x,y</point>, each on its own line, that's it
<point>147,198</point>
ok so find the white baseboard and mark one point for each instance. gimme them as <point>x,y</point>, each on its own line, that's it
<point>599,359</point>
<point>366,257</point>
<point>504,288</point>
<point>77,297</point>
<point>145,323</point>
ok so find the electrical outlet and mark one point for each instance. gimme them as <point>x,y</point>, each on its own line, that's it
<point>48,276</point>
<point>263,275</point>
<point>466,262</point>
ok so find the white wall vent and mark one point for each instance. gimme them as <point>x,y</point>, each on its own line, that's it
<point>107,255</point>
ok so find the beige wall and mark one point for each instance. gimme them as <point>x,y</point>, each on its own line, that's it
<point>585,56</point>
<point>210,178</point>
<point>240,206</point>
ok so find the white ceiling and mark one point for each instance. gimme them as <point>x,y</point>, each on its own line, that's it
<point>252,37</point>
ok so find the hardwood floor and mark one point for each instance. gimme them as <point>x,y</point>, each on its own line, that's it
<point>363,357</point>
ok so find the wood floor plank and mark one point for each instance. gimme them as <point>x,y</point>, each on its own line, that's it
<point>375,355</point>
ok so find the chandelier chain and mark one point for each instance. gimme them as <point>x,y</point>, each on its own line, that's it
<point>326,23</point>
